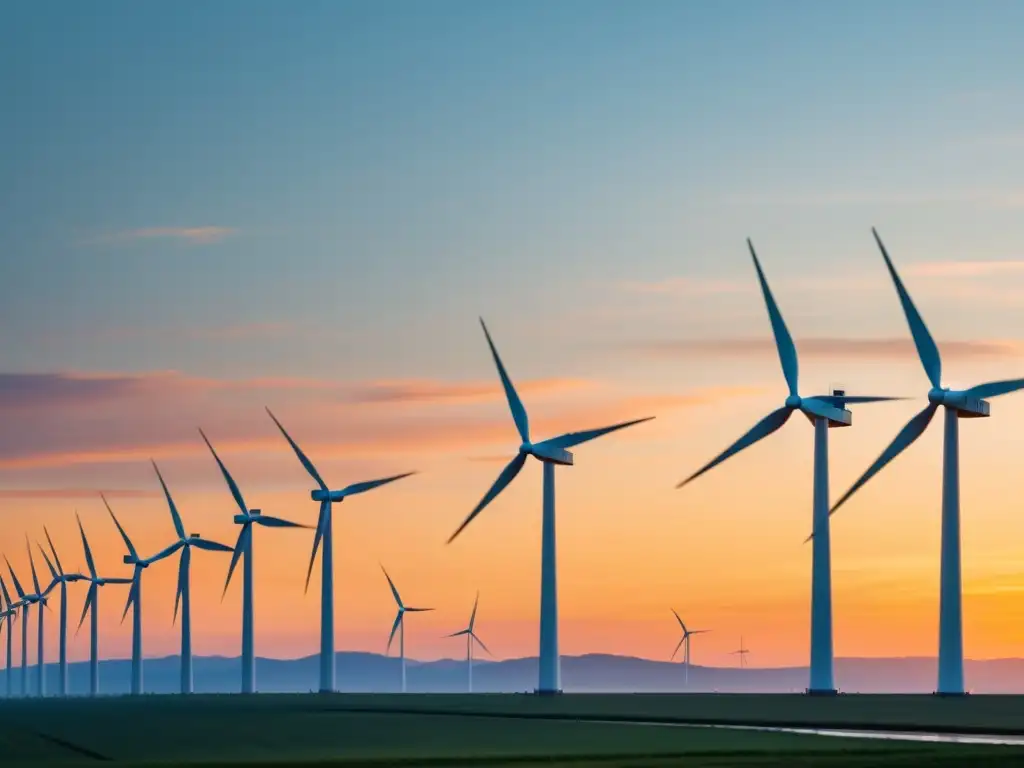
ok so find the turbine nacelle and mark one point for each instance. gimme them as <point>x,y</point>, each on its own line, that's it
<point>966,405</point>
<point>241,519</point>
<point>549,453</point>
<point>322,495</point>
<point>133,560</point>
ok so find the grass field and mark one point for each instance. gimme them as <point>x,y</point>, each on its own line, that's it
<point>514,730</point>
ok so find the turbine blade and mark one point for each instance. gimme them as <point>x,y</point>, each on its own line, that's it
<point>302,457</point>
<point>240,548</point>
<point>514,403</point>
<point>507,475</point>
<point>481,643</point>
<point>394,628</point>
<point>166,552</point>
<point>232,486</point>
<point>89,597</point>
<point>472,616</point>
<point>699,631</point>
<point>913,430</point>
<point>85,545</point>
<point>178,525</point>
<point>394,591</point>
<point>14,578</point>
<point>320,522</point>
<point>53,549</point>
<point>127,541</point>
<point>570,439</point>
<point>181,582</point>
<point>679,619</point>
<point>927,350</point>
<point>131,595</point>
<point>277,522</point>
<point>210,546</point>
<point>783,341</point>
<point>417,610</point>
<point>759,431</point>
<point>53,571</point>
<point>681,641</point>
<point>995,388</point>
<point>32,565</point>
<point>460,632</point>
<point>369,485</point>
<point>7,595</point>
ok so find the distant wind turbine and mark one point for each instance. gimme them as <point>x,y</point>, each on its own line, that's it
<point>400,624</point>
<point>26,601</point>
<point>685,641</point>
<point>63,579</point>
<point>549,453</point>
<point>7,617</point>
<point>183,594</point>
<point>324,531</point>
<point>244,546</point>
<point>139,564</point>
<point>741,652</point>
<point>470,637</point>
<point>959,404</point>
<point>40,598</point>
<point>823,411</point>
<point>92,602</point>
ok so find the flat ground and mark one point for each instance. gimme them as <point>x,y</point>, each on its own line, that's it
<point>493,730</point>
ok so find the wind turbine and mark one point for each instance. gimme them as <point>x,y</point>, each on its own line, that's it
<point>243,546</point>
<point>470,637</point>
<point>823,411</point>
<point>26,601</point>
<point>92,601</point>
<point>549,453</point>
<point>400,623</point>
<point>742,653</point>
<point>63,579</point>
<point>324,530</point>
<point>7,617</point>
<point>40,597</point>
<point>959,404</point>
<point>183,595</point>
<point>685,640</point>
<point>134,601</point>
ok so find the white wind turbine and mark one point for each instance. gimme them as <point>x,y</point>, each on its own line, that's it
<point>959,404</point>
<point>63,579</point>
<point>824,412</point>
<point>400,624</point>
<point>92,598</point>
<point>550,453</point>
<point>7,618</point>
<point>471,636</point>
<point>244,547</point>
<point>685,641</point>
<point>324,530</point>
<point>742,652</point>
<point>183,594</point>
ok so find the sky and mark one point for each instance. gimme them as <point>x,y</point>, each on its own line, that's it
<point>212,208</point>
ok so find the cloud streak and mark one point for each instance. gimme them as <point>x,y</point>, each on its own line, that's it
<point>823,347</point>
<point>75,493</point>
<point>204,235</point>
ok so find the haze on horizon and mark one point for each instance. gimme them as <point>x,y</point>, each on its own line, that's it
<point>222,207</point>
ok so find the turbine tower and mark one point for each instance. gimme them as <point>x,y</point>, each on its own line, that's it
<point>7,617</point>
<point>183,595</point>
<point>243,546</point>
<point>549,453</point>
<point>685,641</point>
<point>742,652</point>
<point>400,623</point>
<point>959,404</point>
<point>26,601</point>
<point>63,579</point>
<point>134,601</point>
<point>823,411</point>
<point>470,637</point>
<point>324,531</point>
<point>92,602</point>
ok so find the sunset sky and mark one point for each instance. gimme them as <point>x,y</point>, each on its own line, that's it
<point>212,208</point>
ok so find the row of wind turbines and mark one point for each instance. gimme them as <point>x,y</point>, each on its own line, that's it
<point>823,411</point>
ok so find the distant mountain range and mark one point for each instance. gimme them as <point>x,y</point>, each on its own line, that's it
<point>368,672</point>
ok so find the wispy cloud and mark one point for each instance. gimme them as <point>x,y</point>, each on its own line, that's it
<point>878,349</point>
<point>960,269</point>
<point>711,286</point>
<point>433,391</point>
<point>75,493</point>
<point>191,235</point>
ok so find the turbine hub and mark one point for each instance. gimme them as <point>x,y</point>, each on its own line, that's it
<point>526,448</point>
<point>793,401</point>
<point>937,395</point>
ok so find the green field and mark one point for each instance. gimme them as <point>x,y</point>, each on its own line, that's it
<point>493,730</point>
